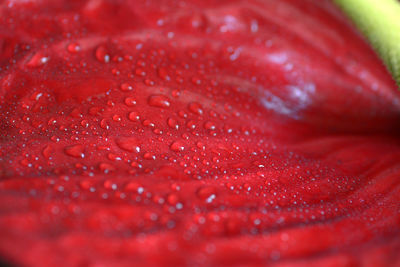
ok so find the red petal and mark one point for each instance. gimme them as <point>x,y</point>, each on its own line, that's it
<point>267,134</point>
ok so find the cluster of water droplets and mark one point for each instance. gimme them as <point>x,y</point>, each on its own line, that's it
<point>161,132</point>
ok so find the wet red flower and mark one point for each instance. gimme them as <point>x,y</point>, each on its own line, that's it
<point>194,133</point>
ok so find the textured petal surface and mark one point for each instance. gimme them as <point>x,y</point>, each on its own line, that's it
<point>194,133</point>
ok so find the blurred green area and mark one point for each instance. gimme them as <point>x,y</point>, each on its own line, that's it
<point>379,20</point>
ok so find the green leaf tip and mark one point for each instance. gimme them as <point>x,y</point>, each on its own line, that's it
<point>379,20</point>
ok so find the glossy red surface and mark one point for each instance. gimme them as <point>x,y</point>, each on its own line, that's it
<point>194,133</point>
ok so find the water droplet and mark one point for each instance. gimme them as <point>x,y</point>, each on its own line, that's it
<point>73,48</point>
<point>116,118</point>
<point>191,124</point>
<point>37,60</point>
<point>196,80</point>
<point>172,199</point>
<point>109,184</point>
<point>130,144</point>
<point>163,74</point>
<point>76,151</point>
<point>140,72</point>
<point>126,87</point>
<point>148,155</point>
<point>177,146</point>
<point>228,129</point>
<point>148,123</point>
<point>102,54</point>
<point>106,167</point>
<point>172,123</point>
<point>176,93</point>
<point>201,145</point>
<point>133,187</point>
<point>104,124</point>
<point>207,193</point>
<point>157,131</point>
<point>51,121</point>
<point>196,108</point>
<point>84,123</point>
<point>133,116</point>
<point>113,157</point>
<point>136,165</point>
<point>182,114</point>
<point>36,96</point>
<point>47,150</point>
<point>130,101</point>
<point>76,113</point>
<point>159,101</point>
<point>209,125</point>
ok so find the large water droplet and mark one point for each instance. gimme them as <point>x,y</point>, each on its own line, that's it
<point>133,116</point>
<point>130,144</point>
<point>102,54</point>
<point>47,150</point>
<point>196,108</point>
<point>116,118</point>
<point>177,146</point>
<point>130,101</point>
<point>76,151</point>
<point>73,48</point>
<point>37,60</point>
<point>149,156</point>
<point>159,101</point>
<point>172,123</point>
<point>126,87</point>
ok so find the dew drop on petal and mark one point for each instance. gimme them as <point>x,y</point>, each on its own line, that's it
<point>172,123</point>
<point>73,48</point>
<point>76,151</point>
<point>47,150</point>
<point>163,74</point>
<point>209,125</point>
<point>130,144</point>
<point>206,193</point>
<point>159,101</point>
<point>130,101</point>
<point>126,87</point>
<point>177,146</point>
<point>196,108</point>
<point>102,54</point>
<point>133,116</point>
